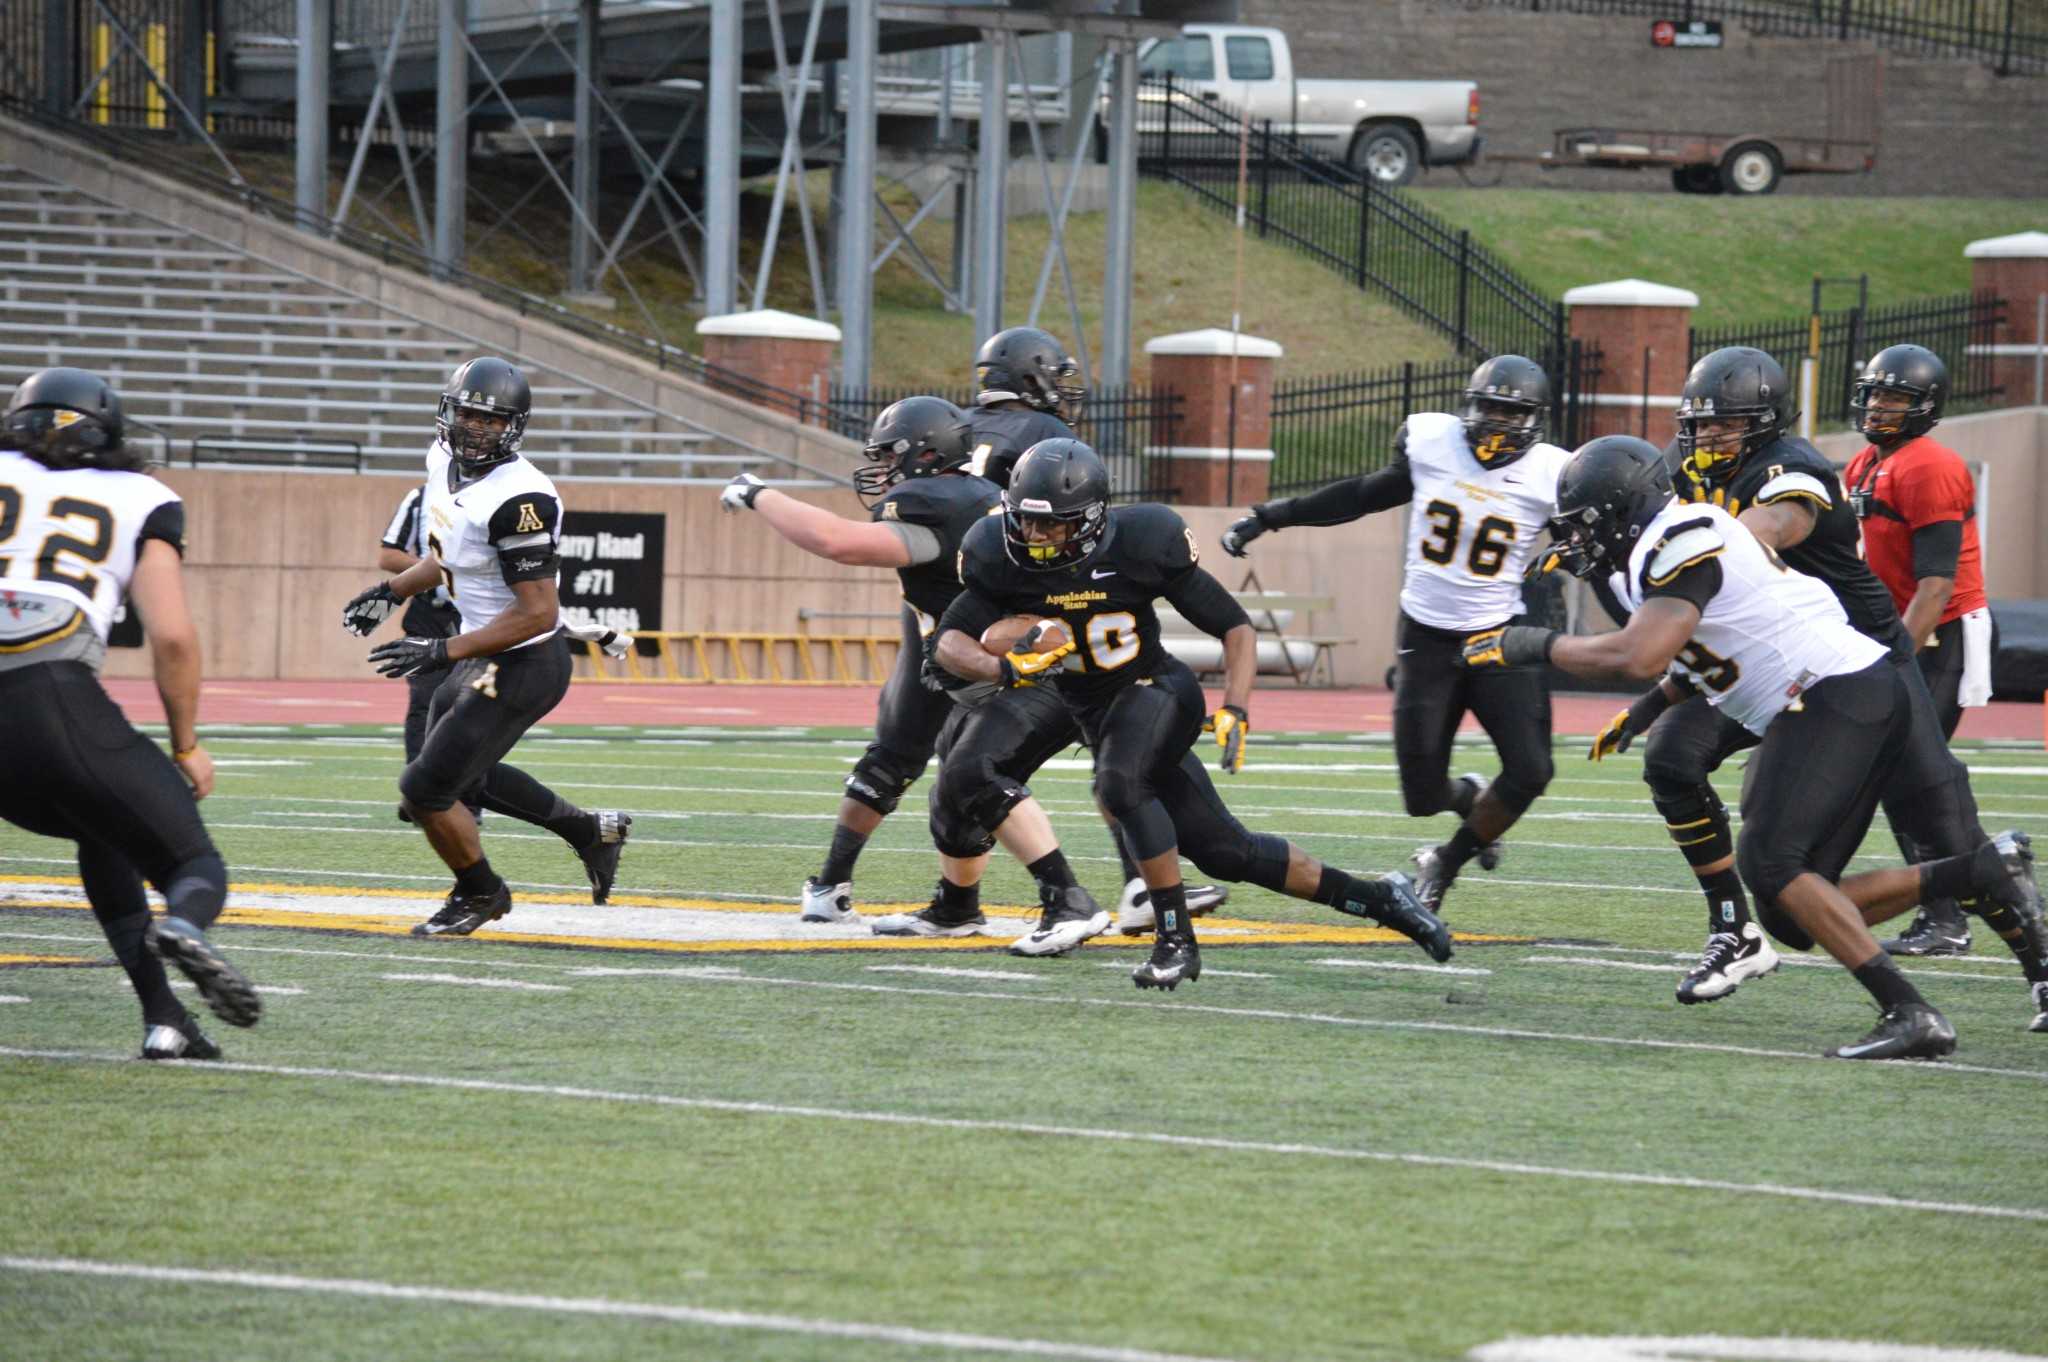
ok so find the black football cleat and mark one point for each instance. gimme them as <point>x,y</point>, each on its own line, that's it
<point>183,1041</point>
<point>1911,1031</point>
<point>1175,960</point>
<point>231,996</point>
<point>1394,903</point>
<point>463,914</point>
<point>601,858</point>
<point>1931,935</point>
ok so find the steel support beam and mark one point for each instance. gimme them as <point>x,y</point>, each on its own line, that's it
<point>193,19</point>
<point>316,63</point>
<point>992,178</point>
<point>857,209</point>
<point>60,65</point>
<point>722,160</point>
<point>451,135</point>
<point>1113,365</point>
<point>583,242</point>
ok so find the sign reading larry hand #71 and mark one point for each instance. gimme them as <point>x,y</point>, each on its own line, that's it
<point>611,569</point>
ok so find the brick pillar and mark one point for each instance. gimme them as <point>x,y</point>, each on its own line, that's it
<point>1631,322</point>
<point>2014,268</point>
<point>777,349</point>
<point>1212,461</point>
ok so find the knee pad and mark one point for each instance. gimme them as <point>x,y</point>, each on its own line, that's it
<point>423,791</point>
<point>1766,875</point>
<point>1782,928</point>
<point>1518,789</point>
<point>1122,793</point>
<point>1671,768</point>
<point>1423,803</point>
<point>1697,822</point>
<point>1255,858</point>
<point>955,832</point>
<point>879,779</point>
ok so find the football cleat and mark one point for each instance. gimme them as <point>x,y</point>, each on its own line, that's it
<point>1069,917</point>
<point>231,996</point>
<point>2039,993</point>
<point>1911,1031</point>
<point>184,1041</point>
<point>601,858</point>
<point>1931,935</point>
<point>1393,903</point>
<point>1175,959</point>
<point>1134,909</point>
<point>1730,960</point>
<point>2016,849</point>
<point>1489,855</point>
<point>928,921</point>
<point>828,902</point>
<point>463,914</point>
<point>1432,879</point>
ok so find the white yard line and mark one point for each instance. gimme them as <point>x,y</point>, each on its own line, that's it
<point>1010,974</point>
<point>1401,964</point>
<point>598,1306</point>
<point>473,981</point>
<point>1722,1348</point>
<point>1060,1132</point>
<point>12,998</point>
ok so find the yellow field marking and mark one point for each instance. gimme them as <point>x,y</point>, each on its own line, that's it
<point>30,961</point>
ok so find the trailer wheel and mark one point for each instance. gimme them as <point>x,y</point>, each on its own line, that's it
<point>1752,168</point>
<point>1696,179</point>
<point>1387,152</point>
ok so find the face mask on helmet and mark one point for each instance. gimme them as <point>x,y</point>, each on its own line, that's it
<point>1892,413</point>
<point>1500,429</point>
<point>1577,541</point>
<point>58,437</point>
<point>479,436</point>
<point>1042,540</point>
<point>1069,393</point>
<point>1714,442</point>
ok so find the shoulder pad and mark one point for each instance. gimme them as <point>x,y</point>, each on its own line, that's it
<point>1681,546</point>
<point>1781,483</point>
<point>914,502</point>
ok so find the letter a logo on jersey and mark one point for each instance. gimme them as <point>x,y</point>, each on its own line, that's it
<point>529,522</point>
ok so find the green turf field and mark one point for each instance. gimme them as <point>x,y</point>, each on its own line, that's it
<point>468,1149</point>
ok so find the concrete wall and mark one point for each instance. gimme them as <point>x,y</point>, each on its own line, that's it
<point>1949,126</point>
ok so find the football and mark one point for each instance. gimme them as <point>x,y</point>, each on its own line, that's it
<point>1003,636</point>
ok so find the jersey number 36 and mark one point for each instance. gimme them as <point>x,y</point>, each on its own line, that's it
<point>1491,540</point>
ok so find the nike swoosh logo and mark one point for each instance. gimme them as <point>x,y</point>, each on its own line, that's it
<point>1516,481</point>
<point>1403,652</point>
<point>1098,574</point>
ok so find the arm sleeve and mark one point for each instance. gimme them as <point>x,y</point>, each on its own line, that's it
<point>522,530</point>
<point>971,613</point>
<point>1696,583</point>
<point>1347,500</point>
<point>166,522</point>
<point>1936,548</point>
<point>401,533</point>
<point>1203,602</point>
<point>1603,592</point>
<point>921,541</point>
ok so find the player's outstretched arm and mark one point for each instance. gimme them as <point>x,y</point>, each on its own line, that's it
<point>1641,651</point>
<point>158,590</point>
<point>1337,504</point>
<point>815,530</point>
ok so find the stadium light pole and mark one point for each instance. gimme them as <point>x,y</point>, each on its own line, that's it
<point>722,160</point>
<point>583,242</point>
<point>857,212</point>
<point>992,175</point>
<point>451,135</point>
<point>316,51</point>
<point>1113,365</point>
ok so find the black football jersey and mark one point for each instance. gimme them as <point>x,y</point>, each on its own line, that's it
<point>949,505</point>
<point>1791,469</point>
<point>1147,552</point>
<point>1001,437</point>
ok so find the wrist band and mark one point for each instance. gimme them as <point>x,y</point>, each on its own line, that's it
<point>176,755</point>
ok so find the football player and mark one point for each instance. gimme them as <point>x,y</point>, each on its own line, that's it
<point>1772,650</point>
<point>81,527</point>
<point>1028,388</point>
<point>493,528</point>
<point>1736,451</point>
<point>922,501</point>
<point>1918,508</point>
<point>1479,491</point>
<point>1058,550</point>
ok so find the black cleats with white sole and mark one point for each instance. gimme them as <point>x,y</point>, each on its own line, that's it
<point>601,858</point>
<point>464,913</point>
<point>231,996</point>
<point>1175,960</point>
<point>1393,903</point>
<point>1931,936</point>
<point>1730,960</point>
<point>183,1041</point>
<point>1911,1031</point>
<point>1066,919</point>
<point>927,921</point>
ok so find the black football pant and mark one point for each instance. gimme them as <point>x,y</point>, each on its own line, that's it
<point>1940,665</point>
<point>1433,691</point>
<point>908,719</point>
<point>1151,782</point>
<point>987,753</point>
<point>480,711</point>
<point>424,619</point>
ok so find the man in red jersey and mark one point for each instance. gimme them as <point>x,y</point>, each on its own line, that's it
<point>1917,504</point>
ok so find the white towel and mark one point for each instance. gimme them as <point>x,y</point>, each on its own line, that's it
<point>1976,688</point>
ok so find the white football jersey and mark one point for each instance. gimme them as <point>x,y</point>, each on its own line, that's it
<point>1767,635</point>
<point>71,536</point>
<point>1471,529</point>
<point>507,520</point>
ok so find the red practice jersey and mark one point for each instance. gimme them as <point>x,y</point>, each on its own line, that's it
<point>1920,483</point>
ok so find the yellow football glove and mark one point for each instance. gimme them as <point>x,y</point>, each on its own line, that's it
<point>1231,726</point>
<point>1483,650</point>
<point>1614,738</point>
<point>1027,669</point>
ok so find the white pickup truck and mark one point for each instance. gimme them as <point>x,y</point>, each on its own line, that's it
<point>1389,129</point>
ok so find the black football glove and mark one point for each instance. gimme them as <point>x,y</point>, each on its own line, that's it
<point>1516,645</point>
<point>1242,532</point>
<point>368,609</point>
<point>411,656</point>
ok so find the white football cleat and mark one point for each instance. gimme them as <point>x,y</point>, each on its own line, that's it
<point>1134,908</point>
<point>828,902</point>
<point>1068,918</point>
<point>1730,959</point>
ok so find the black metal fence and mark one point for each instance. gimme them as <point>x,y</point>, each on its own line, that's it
<point>2008,35</point>
<point>1341,425</point>
<point>1129,426</point>
<point>1961,328</point>
<point>1373,236</point>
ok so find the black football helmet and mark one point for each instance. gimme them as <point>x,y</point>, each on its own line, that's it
<point>1031,366</point>
<point>1610,490</point>
<point>1910,369</point>
<point>1738,382</point>
<point>914,438</point>
<point>1506,404</point>
<point>487,387</point>
<point>1056,482</point>
<point>68,418</point>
